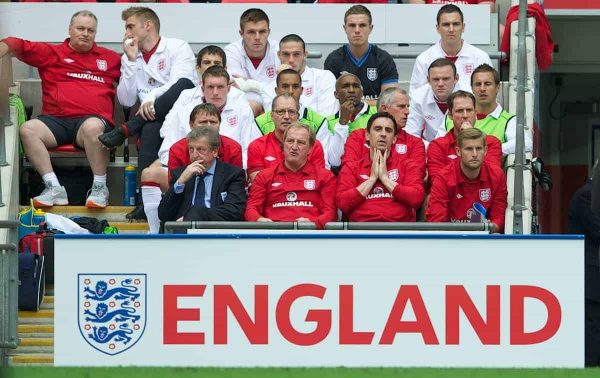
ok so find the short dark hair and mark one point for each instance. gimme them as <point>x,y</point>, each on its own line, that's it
<point>486,68</point>
<point>300,125</point>
<point>459,94</point>
<point>449,8</point>
<point>211,50</point>
<point>293,38</point>
<point>287,71</point>
<point>441,62</point>
<point>212,135</point>
<point>470,134</point>
<point>144,14</point>
<point>205,108</point>
<point>358,9</point>
<point>253,15</point>
<point>378,115</point>
<point>216,71</point>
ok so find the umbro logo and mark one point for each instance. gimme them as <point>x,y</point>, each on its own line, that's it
<point>276,184</point>
<point>459,196</point>
<point>270,158</point>
<point>69,60</point>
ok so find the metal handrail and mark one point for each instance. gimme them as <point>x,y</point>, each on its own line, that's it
<point>9,289</point>
<point>408,226</point>
<point>182,227</point>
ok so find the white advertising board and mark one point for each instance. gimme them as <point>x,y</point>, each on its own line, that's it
<point>320,299</point>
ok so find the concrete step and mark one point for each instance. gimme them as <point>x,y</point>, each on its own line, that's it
<point>44,316</point>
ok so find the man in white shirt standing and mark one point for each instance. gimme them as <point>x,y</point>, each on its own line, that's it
<point>254,56</point>
<point>450,25</point>
<point>428,105</point>
<point>318,85</point>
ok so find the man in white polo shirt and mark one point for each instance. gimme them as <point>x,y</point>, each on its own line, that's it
<point>450,26</point>
<point>254,56</point>
<point>318,85</point>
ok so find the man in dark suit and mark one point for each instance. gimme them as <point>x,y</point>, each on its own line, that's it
<point>583,220</point>
<point>207,189</point>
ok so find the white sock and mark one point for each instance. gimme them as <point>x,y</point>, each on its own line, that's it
<point>100,179</point>
<point>50,178</point>
<point>151,196</point>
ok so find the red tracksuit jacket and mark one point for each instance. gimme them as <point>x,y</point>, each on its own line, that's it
<point>442,151</point>
<point>452,199</point>
<point>74,84</point>
<point>266,151</point>
<point>407,147</point>
<point>380,205</point>
<point>283,195</point>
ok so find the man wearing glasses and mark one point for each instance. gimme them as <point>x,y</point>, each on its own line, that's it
<point>267,150</point>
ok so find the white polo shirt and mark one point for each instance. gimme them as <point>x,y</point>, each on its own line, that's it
<point>172,60</point>
<point>425,119</point>
<point>469,58</point>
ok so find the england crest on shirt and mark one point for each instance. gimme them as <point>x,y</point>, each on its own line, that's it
<point>111,310</point>
<point>161,65</point>
<point>401,149</point>
<point>310,184</point>
<point>232,121</point>
<point>468,69</point>
<point>271,71</point>
<point>393,174</point>
<point>308,91</point>
<point>101,64</point>
<point>485,194</point>
<point>372,74</point>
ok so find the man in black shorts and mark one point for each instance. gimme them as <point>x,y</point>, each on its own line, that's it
<point>78,93</point>
<point>374,67</point>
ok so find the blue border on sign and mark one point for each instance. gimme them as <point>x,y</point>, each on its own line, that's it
<point>349,235</point>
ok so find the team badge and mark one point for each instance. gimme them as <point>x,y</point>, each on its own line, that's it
<point>161,65</point>
<point>308,91</point>
<point>111,310</point>
<point>271,71</point>
<point>232,121</point>
<point>393,174</point>
<point>101,64</point>
<point>485,194</point>
<point>468,69</point>
<point>291,196</point>
<point>401,149</point>
<point>372,74</point>
<point>310,184</point>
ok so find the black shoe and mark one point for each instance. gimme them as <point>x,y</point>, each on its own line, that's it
<point>137,213</point>
<point>113,138</point>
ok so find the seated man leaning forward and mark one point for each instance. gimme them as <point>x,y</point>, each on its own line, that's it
<point>472,190</point>
<point>294,189</point>
<point>78,90</point>
<point>207,189</point>
<point>155,178</point>
<point>381,187</point>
